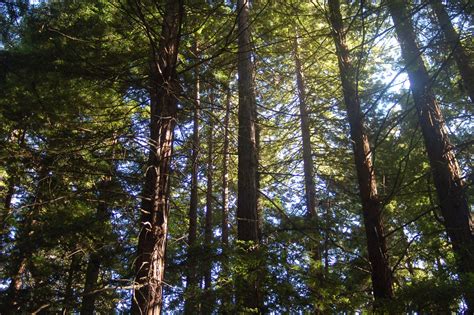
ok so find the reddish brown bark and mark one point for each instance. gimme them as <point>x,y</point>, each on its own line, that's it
<point>371,205</point>
<point>447,178</point>
<point>150,263</point>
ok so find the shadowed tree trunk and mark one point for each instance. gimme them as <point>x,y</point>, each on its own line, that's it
<point>447,178</point>
<point>208,253</point>
<point>459,54</point>
<point>74,269</point>
<point>248,295</point>
<point>94,263</point>
<point>191,304</point>
<point>225,172</point>
<point>371,205</point>
<point>150,263</point>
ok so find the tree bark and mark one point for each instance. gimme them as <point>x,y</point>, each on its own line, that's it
<point>191,305</point>
<point>466,69</point>
<point>248,294</point>
<point>447,178</point>
<point>371,205</point>
<point>150,263</point>
<point>308,166</point>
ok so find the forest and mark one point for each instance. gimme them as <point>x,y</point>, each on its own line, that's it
<point>236,157</point>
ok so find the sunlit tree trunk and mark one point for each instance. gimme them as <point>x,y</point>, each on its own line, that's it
<point>371,205</point>
<point>459,54</point>
<point>150,263</point>
<point>446,173</point>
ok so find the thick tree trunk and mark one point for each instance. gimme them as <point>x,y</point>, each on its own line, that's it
<point>461,58</point>
<point>248,294</point>
<point>191,304</point>
<point>446,173</point>
<point>150,263</point>
<point>371,205</point>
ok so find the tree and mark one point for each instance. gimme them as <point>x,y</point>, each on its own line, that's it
<point>445,170</point>
<point>460,56</point>
<point>247,216</point>
<point>371,203</point>
<point>164,90</point>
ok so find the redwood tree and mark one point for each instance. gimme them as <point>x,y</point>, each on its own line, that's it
<point>150,263</point>
<point>446,173</point>
<point>371,204</point>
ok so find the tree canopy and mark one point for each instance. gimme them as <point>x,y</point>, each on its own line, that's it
<point>241,156</point>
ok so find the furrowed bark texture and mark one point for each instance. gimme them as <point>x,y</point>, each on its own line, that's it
<point>150,263</point>
<point>466,69</point>
<point>248,294</point>
<point>447,178</point>
<point>371,205</point>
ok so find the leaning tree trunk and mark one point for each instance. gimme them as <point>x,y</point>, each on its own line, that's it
<point>371,205</point>
<point>191,304</point>
<point>466,69</point>
<point>150,263</point>
<point>248,295</point>
<point>446,173</point>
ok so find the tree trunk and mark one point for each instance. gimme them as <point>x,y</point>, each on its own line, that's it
<point>461,58</point>
<point>308,171</point>
<point>208,253</point>
<point>248,294</point>
<point>225,173</point>
<point>74,268</point>
<point>371,205</point>
<point>191,305</point>
<point>95,259</point>
<point>308,166</point>
<point>150,263</point>
<point>446,173</point>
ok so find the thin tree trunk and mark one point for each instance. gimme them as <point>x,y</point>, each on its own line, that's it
<point>226,296</point>
<point>95,259</point>
<point>308,171</point>
<point>446,173</point>
<point>248,294</point>
<point>27,241</point>
<point>150,263</point>
<point>371,205</point>
<point>69,290</point>
<point>191,304</point>
<point>225,173</point>
<point>452,38</point>
<point>208,301</point>
<point>308,166</point>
